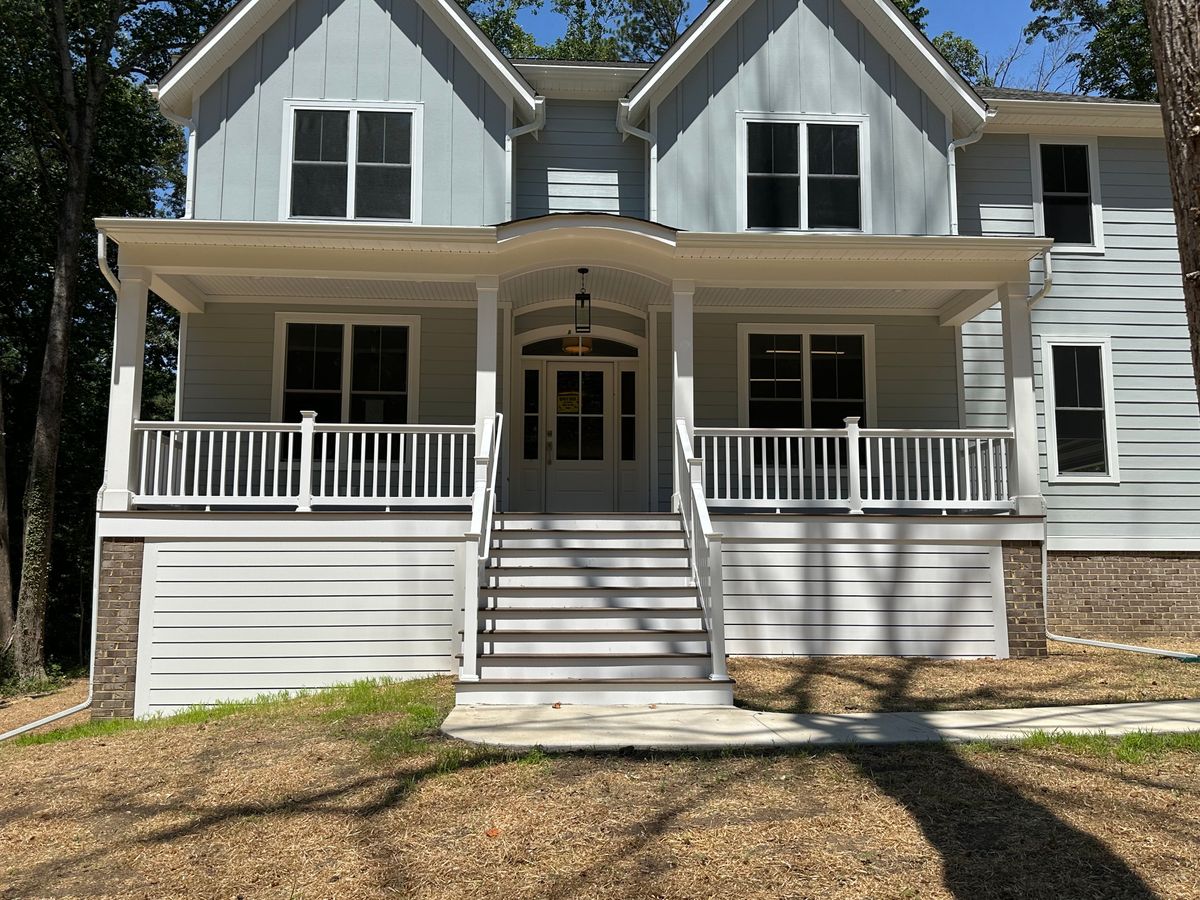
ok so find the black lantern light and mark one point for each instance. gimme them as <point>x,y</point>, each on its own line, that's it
<point>583,306</point>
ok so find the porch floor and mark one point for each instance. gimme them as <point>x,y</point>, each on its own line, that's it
<point>710,728</point>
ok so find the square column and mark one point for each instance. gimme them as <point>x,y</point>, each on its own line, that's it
<point>1021,403</point>
<point>125,389</point>
<point>486,329</point>
<point>683,403</point>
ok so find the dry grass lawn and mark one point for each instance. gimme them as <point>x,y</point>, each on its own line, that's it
<point>1072,675</point>
<point>352,794</point>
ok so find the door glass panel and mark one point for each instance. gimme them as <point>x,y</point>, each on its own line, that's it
<point>579,415</point>
<point>591,439</point>
<point>628,416</point>
<point>531,429</point>
<point>593,394</point>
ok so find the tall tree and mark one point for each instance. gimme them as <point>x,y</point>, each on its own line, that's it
<point>65,57</point>
<point>962,53</point>
<point>591,31</point>
<point>1174,27</point>
<point>1115,59</point>
<point>648,28</point>
<point>6,591</point>
<point>498,20</point>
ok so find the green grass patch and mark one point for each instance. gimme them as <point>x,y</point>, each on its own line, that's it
<point>1136,747</point>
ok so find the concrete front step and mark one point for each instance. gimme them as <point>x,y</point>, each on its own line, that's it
<point>579,692</point>
<point>578,577</point>
<point>600,618</point>
<point>594,666</point>
<point>573,642</point>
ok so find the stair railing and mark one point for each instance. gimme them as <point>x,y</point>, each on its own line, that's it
<point>478,542</point>
<point>704,546</point>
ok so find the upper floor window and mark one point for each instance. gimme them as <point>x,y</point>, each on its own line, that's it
<point>804,174</point>
<point>354,163</point>
<point>346,371</point>
<point>1066,193</point>
<point>1080,425</point>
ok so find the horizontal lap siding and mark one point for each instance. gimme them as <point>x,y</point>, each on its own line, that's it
<point>362,50</point>
<point>232,620</point>
<point>579,163</point>
<point>228,361</point>
<point>804,599</point>
<point>1133,295</point>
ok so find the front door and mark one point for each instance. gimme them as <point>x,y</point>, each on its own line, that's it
<point>580,459</point>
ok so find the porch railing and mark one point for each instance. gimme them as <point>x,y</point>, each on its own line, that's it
<point>477,547</point>
<point>301,464</point>
<point>704,547</point>
<point>856,469</point>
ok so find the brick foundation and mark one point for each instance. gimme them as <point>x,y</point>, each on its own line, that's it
<point>117,627</point>
<point>1128,594</point>
<point>1023,599</point>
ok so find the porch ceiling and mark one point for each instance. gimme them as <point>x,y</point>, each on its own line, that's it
<point>221,288</point>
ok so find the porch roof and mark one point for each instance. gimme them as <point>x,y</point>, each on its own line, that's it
<point>633,262</point>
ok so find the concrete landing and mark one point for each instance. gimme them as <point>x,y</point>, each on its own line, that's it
<point>713,728</point>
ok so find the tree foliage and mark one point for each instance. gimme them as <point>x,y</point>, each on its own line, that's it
<point>962,53</point>
<point>1115,59</point>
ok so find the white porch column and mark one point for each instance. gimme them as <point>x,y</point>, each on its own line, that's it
<point>1021,402</point>
<point>683,404</point>
<point>488,289</point>
<point>125,388</point>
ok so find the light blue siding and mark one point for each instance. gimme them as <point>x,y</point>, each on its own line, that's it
<point>1133,294</point>
<point>364,50</point>
<point>579,163</point>
<point>802,57</point>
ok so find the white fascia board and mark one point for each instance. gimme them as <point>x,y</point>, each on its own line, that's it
<point>246,22</point>
<point>886,24</point>
<point>1076,117</point>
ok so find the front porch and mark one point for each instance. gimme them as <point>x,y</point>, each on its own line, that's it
<point>768,455</point>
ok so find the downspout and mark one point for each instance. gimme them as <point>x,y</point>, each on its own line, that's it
<point>628,130</point>
<point>952,165</point>
<point>510,136</point>
<point>79,707</point>
<point>189,126</point>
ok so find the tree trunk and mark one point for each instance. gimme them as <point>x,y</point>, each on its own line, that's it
<point>38,507</point>
<point>1175,36</point>
<point>6,591</point>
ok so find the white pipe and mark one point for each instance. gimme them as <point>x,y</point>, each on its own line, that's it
<point>625,128</point>
<point>1047,279</point>
<point>1108,645</point>
<point>952,165</point>
<point>79,707</point>
<point>102,261</point>
<point>538,123</point>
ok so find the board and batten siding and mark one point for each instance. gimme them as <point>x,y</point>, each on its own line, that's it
<point>1133,295</point>
<point>798,599</point>
<point>916,381</point>
<point>354,50</point>
<point>579,163</point>
<point>809,57</point>
<point>231,620</point>
<point>229,358</point>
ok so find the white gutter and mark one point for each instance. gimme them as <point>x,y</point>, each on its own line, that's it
<point>102,261</point>
<point>626,129</point>
<point>79,707</point>
<point>952,165</point>
<point>1047,279</point>
<point>538,123</point>
<point>1108,645</point>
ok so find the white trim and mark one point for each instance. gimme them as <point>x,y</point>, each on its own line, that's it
<point>189,191</point>
<point>960,364</point>
<point>429,525</point>
<point>283,319</point>
<point>652,406</point>
<point>1039,217</point>
<point>745,329</point>
<point>1000,605</point>
<point>802,121</point>
<point>142,664</point>
<point>291,106</point>
<point>1113,475</point>
<point>1099,544</point>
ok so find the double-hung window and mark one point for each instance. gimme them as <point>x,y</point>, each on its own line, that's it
<point>353,163</point>
<point>1066,193</point>
<point>1080,421</point>
<point>804,377</point>
<point>803,174</point>
<point>347,371</point>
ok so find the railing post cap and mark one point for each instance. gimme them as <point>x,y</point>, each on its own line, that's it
<point>852,420</point>
<point>308,414</point>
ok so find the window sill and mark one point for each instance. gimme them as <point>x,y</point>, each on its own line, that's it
<point>1085,479</point>
<point>1061,250</point>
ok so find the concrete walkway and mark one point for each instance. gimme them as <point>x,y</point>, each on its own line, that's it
<point>711,728</point>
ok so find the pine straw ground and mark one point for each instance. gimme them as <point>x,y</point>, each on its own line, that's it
<point>1073,674</point>
<point>351,793</point>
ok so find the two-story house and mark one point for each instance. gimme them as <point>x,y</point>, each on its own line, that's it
<point>572,378</point>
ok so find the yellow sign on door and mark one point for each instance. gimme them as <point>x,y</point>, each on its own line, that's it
<point>568,402</point>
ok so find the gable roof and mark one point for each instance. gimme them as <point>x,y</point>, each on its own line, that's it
<point>882,19</point>
<point>248,19</point>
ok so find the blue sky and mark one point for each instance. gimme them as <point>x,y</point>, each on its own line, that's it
<point>994,25</point>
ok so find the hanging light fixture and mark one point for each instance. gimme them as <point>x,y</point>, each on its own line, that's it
<point>577,346</point>
<point>583,306</point>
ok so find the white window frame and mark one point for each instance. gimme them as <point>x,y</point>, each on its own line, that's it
<point>745,329</point>
<point>290,107</point>
<point>283,319</point>
<point>1039,214</point>
<point>802,121</point>
<point>1054,476</point>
